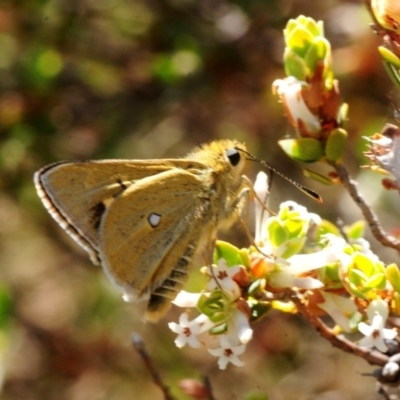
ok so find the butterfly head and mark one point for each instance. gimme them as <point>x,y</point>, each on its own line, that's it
<point>223,156</point>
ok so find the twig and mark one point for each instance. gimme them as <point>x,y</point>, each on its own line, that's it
<point>382,390</point>
<point>383,237</point>
<point>372,357</point>
<point>207,385</point>
<point>138,344</point>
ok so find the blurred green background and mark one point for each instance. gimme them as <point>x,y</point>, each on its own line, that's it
<point>82,79</point>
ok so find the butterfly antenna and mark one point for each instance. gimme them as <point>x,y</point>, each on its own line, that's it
<point>304,189</point>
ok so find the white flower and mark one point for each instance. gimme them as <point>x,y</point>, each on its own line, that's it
<point>260,213</point>
<point>376,333</point>
<point>339,308</point>
<point>287,275</point>
<point>188,330</point>
<point>285,279</point>
<point>186,299</point>
<point>377,306</point>
<point>290,92</point>
<point>228,353</point>
<point>221,278</point>
<point>336,246</point>
<point>241,326</point>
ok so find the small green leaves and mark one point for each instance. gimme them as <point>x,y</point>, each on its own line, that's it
<point>287,230</point>
<point>305,48</point>
<point>366,276</point>
<point>215,306</point>
<point>308,150</point>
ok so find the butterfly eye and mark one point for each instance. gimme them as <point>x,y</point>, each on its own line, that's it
<point>234,156</point>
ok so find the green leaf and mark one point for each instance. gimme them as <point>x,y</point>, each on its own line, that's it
<point>319,49</point>
<point>294,65</point>
<point>389,56</point>
<point>326,227</point>
<point>231,254</point>
<point>356,230</point>
<point>353,288</point>
<point>299,40</point>
<point>312,26</point>
<point>357,276</point>
<point>377,282</point>
<point>336,144</point>
<point>317,176</point>
<point>293,246</point>
<point>393,72</point>
<point>393,276</point>
<point>330,275</point>
<point>294,226</point>
<point>213,306</point>
<point>304,149</point>
<point>364,263</point>
<point>277,232</point>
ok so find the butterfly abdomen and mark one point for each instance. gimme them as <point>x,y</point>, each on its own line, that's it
<point>161,297</point>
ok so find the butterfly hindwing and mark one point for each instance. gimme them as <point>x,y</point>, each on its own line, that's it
<point>144,238</point>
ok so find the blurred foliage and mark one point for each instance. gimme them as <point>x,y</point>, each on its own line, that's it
<point>151,78</point>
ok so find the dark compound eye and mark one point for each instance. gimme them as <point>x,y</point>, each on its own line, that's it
<point>234,156</point>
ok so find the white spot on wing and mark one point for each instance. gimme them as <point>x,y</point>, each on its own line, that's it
<point>154,219</point>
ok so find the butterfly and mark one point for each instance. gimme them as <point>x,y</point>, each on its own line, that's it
<point>144,220</point>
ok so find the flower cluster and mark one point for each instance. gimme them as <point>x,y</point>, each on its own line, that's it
<point>224,316</point>
<point>297,254</point>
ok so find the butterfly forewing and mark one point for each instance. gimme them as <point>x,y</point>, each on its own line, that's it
<point>75,192</point>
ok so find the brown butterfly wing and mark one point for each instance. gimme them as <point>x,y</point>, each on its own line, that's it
<point>75,193</point>
<point>149,234</point>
